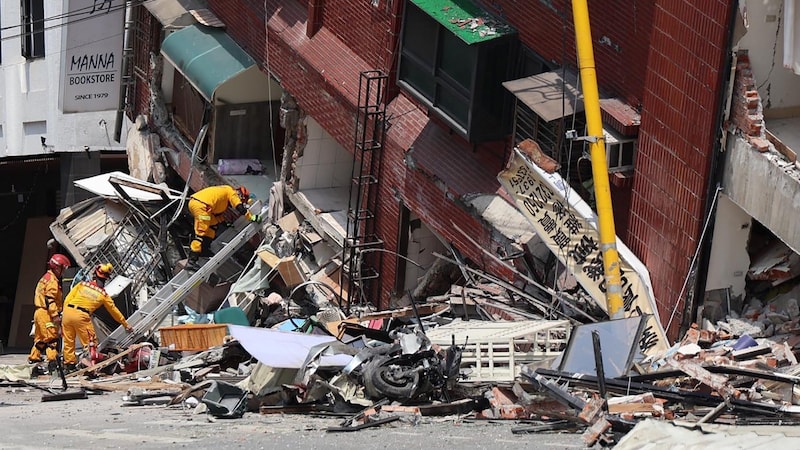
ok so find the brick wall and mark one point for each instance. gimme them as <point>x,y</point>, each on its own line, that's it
<point>746,112</point>
<point>676,142</point>
<point>147,38</point>
<point>365,28</point>
<point>322,74</point>
<point>660,55</point>
<point>620,31</point>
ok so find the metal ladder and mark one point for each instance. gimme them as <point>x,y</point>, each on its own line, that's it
<point>149,316</point>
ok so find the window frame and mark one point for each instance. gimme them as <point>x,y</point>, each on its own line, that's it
<point>627,146</point>
<point>32,27</point>
<point>444,95</point>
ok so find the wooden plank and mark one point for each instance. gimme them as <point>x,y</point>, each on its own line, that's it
<point>107,362</point>
<point>781,147</point>
<point>124,386</point>
<point>424,309</point>
<point>632,408</point>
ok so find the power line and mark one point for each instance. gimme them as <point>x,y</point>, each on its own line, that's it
<point>64,50</point>
<point>78,12</point>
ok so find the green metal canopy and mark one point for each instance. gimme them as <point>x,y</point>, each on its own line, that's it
<point>465,19</point>
<point>206,56</point>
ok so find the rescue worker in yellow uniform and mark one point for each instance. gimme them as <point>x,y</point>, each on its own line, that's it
<point>208,206</point>
<point>47,316</point>
<point>79,305</point>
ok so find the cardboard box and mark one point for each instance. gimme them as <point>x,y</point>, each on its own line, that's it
<point>286,267</point>
<point>206,298</point>
<point>291,274</point>
<point>208,295</point>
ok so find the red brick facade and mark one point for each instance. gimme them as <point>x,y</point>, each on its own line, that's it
<point>663,57</point>
<point>680,113</point>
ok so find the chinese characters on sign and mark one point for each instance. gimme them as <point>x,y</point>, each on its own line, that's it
<point>567,226</point>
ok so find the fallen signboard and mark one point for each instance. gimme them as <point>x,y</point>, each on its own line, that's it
<point>568,226</point>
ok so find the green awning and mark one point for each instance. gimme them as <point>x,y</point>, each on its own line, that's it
<point>466,20</point>
<point>206,56</point>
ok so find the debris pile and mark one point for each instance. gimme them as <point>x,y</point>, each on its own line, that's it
<point>267,328</point>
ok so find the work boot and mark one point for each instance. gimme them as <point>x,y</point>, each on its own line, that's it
<point>206,247</point>
<point>52,366</point>
<point>38,371</point>
<point>69,368</point>
<point>35,361</point>
<point>191,263</point>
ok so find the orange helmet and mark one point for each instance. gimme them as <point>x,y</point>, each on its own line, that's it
<point>243,192</point>
<point>58,262</point>
<point>104,271</point>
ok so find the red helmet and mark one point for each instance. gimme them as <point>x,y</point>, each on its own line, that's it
<point>243,192</point>
<point>58,262</point>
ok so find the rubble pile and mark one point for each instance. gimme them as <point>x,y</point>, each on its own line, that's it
<point>431,359</point>
<point>266,328</point>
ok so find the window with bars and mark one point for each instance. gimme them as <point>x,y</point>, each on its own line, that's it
<point>32,12</point>
<point>549,135</point>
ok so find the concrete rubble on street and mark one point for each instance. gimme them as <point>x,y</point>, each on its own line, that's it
<point>392,223</point>
<point>264,329</point>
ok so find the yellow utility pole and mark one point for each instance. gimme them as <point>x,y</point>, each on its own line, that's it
<point>594,126</point>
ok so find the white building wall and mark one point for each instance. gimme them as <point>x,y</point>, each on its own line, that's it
<point>778,86</point>
<point>729,260</point>
<point>325,163</point>
<point>29,93</point>
<point>422,244</point>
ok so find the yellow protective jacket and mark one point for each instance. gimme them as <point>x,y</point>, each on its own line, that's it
<point>218,198</point>
<point>87,297</point>
<point>48,294</point>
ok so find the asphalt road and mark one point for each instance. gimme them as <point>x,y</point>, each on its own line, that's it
<point>102,421</point>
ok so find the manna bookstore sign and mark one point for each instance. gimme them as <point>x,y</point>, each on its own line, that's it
<point>92,58</point>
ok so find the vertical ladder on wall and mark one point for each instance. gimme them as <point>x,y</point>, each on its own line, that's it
<point>148,317</point>
<point>360,265</point>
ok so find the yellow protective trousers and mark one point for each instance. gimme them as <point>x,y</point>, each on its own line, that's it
<point>76,323</point>
<point>204,220</point>
<point>45,336</point>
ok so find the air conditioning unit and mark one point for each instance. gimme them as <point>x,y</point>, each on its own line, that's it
<point>620,151</point>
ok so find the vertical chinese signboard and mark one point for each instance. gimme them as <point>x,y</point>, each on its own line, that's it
<point>567,225</point>
<point>92,55</point>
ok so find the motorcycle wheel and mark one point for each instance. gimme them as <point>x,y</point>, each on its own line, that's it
<point>390,380</point>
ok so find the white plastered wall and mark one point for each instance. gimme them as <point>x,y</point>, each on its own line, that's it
<point>29,92</point>
<point>729,260</point>
<point>325,163</point>
<point>422,244</point>
<point>778,86</point>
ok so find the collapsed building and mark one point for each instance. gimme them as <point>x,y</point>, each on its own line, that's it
<point>383,193</point>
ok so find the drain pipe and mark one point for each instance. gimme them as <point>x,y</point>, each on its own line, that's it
<point>125,78</point>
